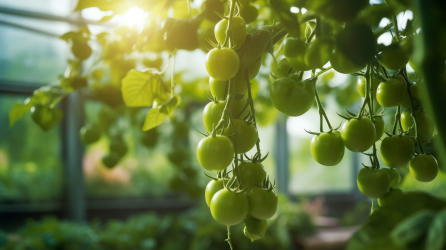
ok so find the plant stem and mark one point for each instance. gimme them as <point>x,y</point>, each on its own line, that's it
<point>229,29</point>
<point>251,104</point>
<point>397,119</point>
<point>321,111</point>
<point>229,238</point>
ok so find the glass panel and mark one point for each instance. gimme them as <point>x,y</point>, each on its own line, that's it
<point>306,175</point>
<point>29,171</point>
<point>55,7</point>
<point>31,57</point>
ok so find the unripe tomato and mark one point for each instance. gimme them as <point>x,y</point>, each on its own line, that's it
<point>254,68</point>
<point>424,168</point>
<point>319,52</point>
<point>90,133</point>
<point>391,92</point>
<point>219,89</point>
<point>358,134</point>
<point>393,57</point>
<point>150,137</point>
<point>239,84</point>
<point>425,124</point>
<point>258,232</point>
<point>118,146</point>
<point>362,83</point>
<point>229,208</point>
<point>45,117</point>
<point>379,127</point>
<point>262,203</point>
<point>373,183</point>
<point>245,134</point>
<point>215,152</point>
<point>342,64</point>
<point>111,159</point>
<point>397,151</point>
<point>293,47</point>
<point>416,95</point>
<point>249,13</point>
<point>237,105</point>
<point>292,97</point>
<point>210,7</point>
<point>212,114</point>
<point>81,50</point>
<point>251,174</point>
<point>222,64</point>
<point>395,177</point>
<point>213,187</point>
<point>281,69</point>
<point>327,148</point>
<point>393,194</point>
<point>238,31</point>
<point>298,63</point>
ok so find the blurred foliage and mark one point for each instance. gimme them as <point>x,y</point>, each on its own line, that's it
<point>412,221</point>
<point>194,229</point>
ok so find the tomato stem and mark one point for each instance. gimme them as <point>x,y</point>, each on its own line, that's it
<point>229,29</point>
<point>397,119</point>
<point>321,111</point>
<point>229,238</point>
<point>251,104</point>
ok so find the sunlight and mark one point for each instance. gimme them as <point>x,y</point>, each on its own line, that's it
<point>135,17</point>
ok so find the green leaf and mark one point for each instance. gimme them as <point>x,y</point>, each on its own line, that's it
<point>18,111</point>
<point>413,230</point>
<point>141,89</point>
<point>437,231</point>
<point>157,115</point>
<point>289,20</point>
<point>254,229</point>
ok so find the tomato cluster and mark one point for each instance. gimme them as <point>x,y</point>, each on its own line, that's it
<point>231,132</point>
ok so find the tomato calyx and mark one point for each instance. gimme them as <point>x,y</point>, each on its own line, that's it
<point>257,158</point>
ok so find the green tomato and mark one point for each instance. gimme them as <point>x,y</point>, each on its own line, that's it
<point>219,89</point>
<point>245,134</point>
<point>254,68</point>
<point>395,176</point>
<point>90,133</point>
<point>229,208</point>
<point>210,7</point>
<point>292,97</point>
<point>391,92</point>
<point>118,146</point>
<point>45,117</point>
<point>319,52</point>
<point>358,134</point>
<point>251,174</point>
<point>81,49</point>
<point>389,197</point>
<point>213,187</point>
<point>222,63</point>
<point>262,203</point>
<point>237,105</point>
<point>327,148</point>
<point>393,57</point>
<point>239,84</point>
<point>293,47</point>
<point>373,183</point>
<point>111,159</point>
<point>258,231</point>
<point>212,114</point>
<point>424,168</point>
<point>249,13</point>
<point>343,64</point>
<point>238,31</point>
<point>416,95</point>
<point>150,138</point>
<point>281,69</point>
<point>425,125</point>
<point>361,85</point>
<point>215,152</point>
<point>379,127</point>
<point>298,63</point>
<point>397,151</point>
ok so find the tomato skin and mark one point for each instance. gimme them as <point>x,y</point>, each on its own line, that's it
<point>239,84</point>
<point>118,145</point>
<point>425,125</point>
<point>213,187</point>
<point>373,183</point>
<point>292,97</point>
<point>229,208</point>
<point>293,47</point>
<point>90,133</point>
<point>362,83</point>
<point>391,92</point>
<point>358,135</point>
<point>327,148</point>
<point>45,117</point>
<point>319,52</point>
<point>110,160</point>
<point>81,50</point>
<point>415,91</point>
<point>237,105</point>
<point>424,168</point>
<point>379,127</point>
<point>219,89</point>
<point>238,31</point>
<point>393,57</point>
<point>262,203</point>
<point>215,152</point>
<point>394,193</point>
<point>251,174</point>
<point>210,7</point>
<point>212,114</point>
<point>281,69</point>
<point>342,64</point>
<point>246,135</point>
<point>249,13</point>
<point>222,64</point>
<point>397,151</point>
<point>254,68</point>
<point>395,176</point>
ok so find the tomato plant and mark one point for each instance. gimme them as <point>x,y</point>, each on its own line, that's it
<point>373,183</point>
<point>222,63</point>
<point>397,151</point>
<point>424,168</point>
<point>358,134</point>
<point>391,93</point>
<point>262,203</point>
<point>292,97</point>
<point>215,152</point>
<point>213,187</point>
<point>229,208</point>
<point>238,31</point>
<point>327,148</point>
<point>251,173</point>
<point>244,136</point>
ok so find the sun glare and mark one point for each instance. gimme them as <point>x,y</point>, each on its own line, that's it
<point>135,17</point>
